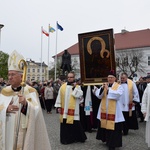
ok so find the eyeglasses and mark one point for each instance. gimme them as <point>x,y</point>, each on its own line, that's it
<point>12,75</point>
<point>70,77</point>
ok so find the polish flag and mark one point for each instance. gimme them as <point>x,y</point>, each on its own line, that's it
<point>45,32</point>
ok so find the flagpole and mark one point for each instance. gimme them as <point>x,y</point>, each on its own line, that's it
<point>56,53</point>
<point>48,51</point>
<point>41,52</point>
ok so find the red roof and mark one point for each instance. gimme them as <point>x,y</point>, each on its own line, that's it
<point>135,39</point>
<point>124,40</point>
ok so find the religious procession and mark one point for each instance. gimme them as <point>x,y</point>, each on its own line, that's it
<point>98,110</point>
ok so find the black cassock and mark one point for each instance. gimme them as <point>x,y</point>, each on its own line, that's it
<point>71,133</point>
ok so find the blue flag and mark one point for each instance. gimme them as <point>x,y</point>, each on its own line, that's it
<point>59,27</point>
<point>51,29</point>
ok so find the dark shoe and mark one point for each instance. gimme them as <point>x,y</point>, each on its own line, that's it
<point>65,143</point>
<point>141,121</point>
<point>90,131</point>
<point>111,148</point>
<point>125,133</point>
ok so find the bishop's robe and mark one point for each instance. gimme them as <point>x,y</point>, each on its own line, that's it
<point>32,133</point>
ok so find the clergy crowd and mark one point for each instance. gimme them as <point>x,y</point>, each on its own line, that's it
<point>112,109</point>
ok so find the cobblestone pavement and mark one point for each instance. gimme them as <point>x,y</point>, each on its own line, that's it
<point>134,141</point>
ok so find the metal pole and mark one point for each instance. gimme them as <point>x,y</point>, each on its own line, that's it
<point>48,51</point>
<point>41,53</point>
<point>56,54</point>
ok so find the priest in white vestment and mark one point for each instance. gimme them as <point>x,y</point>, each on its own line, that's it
<point>22,125</point>
<point>129,99</point>
<point>110,112</point>
<point>67,102</point>
<point>145,108</point>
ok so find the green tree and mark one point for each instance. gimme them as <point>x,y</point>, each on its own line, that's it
<point>3,65</point>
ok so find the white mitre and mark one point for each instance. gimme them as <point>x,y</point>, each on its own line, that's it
<point>13,61</point>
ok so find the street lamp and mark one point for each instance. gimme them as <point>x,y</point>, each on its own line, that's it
<point>1,26</point>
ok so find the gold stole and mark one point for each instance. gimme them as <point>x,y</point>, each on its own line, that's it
<point>108,120</point>
<point>130,89</point>
<point>71,106</point>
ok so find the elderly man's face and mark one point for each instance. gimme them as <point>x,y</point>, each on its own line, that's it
<point>14,78</point>
<point>111,79</point>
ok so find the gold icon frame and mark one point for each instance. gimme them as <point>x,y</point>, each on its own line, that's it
<point>97,56</point>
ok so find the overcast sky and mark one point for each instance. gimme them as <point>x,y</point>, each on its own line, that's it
<point>23,19</point>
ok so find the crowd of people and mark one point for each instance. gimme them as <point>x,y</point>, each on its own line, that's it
<point>112,109</point>
<point>128,107</point>
<point>91,102</point>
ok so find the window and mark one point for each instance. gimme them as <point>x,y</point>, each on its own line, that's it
<point>28,70</point>
<point>38,70</point>
<point>148,60</point>
<point>42,70</point>
<point>33,70</point>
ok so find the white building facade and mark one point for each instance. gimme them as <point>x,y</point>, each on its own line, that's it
<point>34,72</point>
